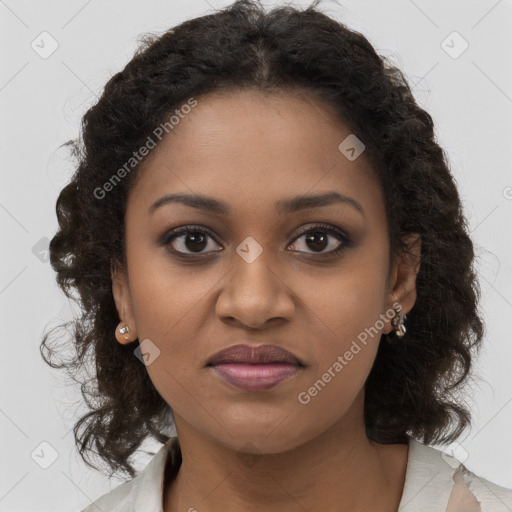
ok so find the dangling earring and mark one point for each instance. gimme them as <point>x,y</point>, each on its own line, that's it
<point>125,330</point>
<point>398,323</point>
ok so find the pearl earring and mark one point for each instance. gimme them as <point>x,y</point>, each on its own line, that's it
<point>125,330</point>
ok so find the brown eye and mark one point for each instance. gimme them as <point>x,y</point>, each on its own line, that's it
<point>188,240</point>
<point>197,241</point>
<point>319,238</point>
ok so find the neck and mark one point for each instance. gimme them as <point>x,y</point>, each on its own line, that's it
<point>339,470</point>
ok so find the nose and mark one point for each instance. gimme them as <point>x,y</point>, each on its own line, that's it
<point>254,294</point>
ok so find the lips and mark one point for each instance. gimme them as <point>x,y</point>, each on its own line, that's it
<point>255,368</point>
<point>262,354</point>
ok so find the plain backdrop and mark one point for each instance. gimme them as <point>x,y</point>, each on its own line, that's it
<point>468,92</point>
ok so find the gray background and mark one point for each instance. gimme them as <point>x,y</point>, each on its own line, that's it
<point>42,101</point>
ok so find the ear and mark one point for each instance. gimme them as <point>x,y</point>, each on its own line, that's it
<point>123,301</point>
<point>402,281</point>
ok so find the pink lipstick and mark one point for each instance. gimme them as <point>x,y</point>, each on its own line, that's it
<point>255,368</point>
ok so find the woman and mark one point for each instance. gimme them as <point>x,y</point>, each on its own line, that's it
<point>270,255</point>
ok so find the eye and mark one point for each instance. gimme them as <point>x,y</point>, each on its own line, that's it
<point>194,240</point>
<point>317,238</point>
<point>188,238</point>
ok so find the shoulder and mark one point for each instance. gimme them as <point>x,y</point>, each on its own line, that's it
<point>141,494</point>
<point>436,481</point>
<point>116,500</point>
<point>481,494</point>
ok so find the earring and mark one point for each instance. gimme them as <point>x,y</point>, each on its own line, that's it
<point>125,330</point>
<point>398,323</point>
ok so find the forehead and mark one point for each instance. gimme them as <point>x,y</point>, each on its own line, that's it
<point>252,149</point>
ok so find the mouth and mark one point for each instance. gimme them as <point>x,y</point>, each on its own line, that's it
<point>255,368</point>
<point>255,377</point>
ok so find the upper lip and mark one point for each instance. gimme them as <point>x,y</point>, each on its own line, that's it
<point>262,354</point>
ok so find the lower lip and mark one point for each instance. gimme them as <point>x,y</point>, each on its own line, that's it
<point>255,377</point>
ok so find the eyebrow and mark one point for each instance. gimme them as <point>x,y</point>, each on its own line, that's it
<point>283,207</point>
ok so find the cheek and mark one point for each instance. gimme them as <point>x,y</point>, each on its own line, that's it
<point>169,309</point>
<point>345,323</point>
<point>345,346</point>
<point>166,297</point>
<point>345,304</point>
<point>345,331</point>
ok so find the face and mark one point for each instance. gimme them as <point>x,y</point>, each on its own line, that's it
<point>258,271</point>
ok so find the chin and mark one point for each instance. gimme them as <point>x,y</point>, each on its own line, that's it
<point>259,442</point>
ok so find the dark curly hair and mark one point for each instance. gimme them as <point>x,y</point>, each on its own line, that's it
<point>413,388</point>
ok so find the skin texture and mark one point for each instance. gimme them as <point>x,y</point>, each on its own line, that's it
<point>265,450</point>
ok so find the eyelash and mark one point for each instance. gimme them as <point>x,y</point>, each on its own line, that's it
<point>172,234</point>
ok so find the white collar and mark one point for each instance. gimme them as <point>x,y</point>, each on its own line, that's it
<point>428,479</point>
<point>427,487</point>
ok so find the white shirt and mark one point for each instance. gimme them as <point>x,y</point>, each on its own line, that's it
<point>434,482</point>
